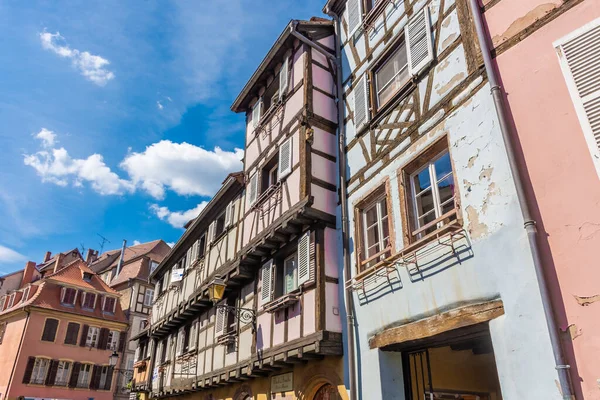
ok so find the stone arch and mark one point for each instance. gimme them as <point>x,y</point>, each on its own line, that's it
<point>311,386</point>
<point>243,392</point>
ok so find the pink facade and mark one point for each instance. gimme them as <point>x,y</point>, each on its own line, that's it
<point>558,163</point>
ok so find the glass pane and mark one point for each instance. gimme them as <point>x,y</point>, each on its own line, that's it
<point>385,232</point>
<point>392,75</point>
<point>372,236</point>
<point>427,219</point>
<point>446,188</point>
<point>443,166</point>
<point>424,203</point>
<point>422,181</point>
<point>371,216</point>
<point>383,208</point>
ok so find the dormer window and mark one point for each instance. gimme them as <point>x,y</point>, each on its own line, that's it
<point>87,276</point>
<point>68,296</point>
<point>88,300</point>
<point>109,304</point>
<point>25,295</point>
<point>11,301</point>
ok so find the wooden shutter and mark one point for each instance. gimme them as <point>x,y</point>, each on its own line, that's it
<point>28,369</point>
<point>304,264</point>
<point>122,337</point>
<point>49,333</point>
<point>52,370</point>
<point>188,258</point>
<point>193,335</point>
<point>283,79</point>
<point>257,112</point>
<point>361,103</point>
<point>579,55</point>
<point>109,378</point>
<point>74,374</point>
<point>266,273</point>
<point>211,232</point>
<point>84,333</point>
<point>253,189</point>
<point>220,321</point>
<point>285,159</point>
<point>95,381</point>
<point>355,15</point>
<point>180,338</point>
<point>103,338</point>
<point>228,214</point>
<point>419,42</point>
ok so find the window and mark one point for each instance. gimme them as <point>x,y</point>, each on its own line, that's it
<point>88,300</point>
<point>72,333</point>
<point>432,194</point>
<point>92,336</point>
<point>269,174</point>
<point>103,377</point>
<point>40,369</point>
<point>50,327</point>
<point>109,304</point>
<point>11,300</point>
<point>370,4</point>
<point>186,338</point>
<point>25,295</point>
<point>113,340</point>
<point>2,331</point>
<point>391,75</point>
<point>148,296</point>
<point>219,225</point>
<point>202,246</point>
<point>290,274</point>
<point>375,230</point>
<point>85,372</point>
<point>153,266</point>
<point>62,373</point>
<point>68,296</point>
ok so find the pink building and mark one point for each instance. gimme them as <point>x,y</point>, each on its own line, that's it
<point>57,333</point>
<point>548,59</point>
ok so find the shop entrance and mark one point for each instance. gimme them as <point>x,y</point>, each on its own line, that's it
<point>461,367</point>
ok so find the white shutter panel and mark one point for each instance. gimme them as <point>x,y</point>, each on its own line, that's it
<point>195,251</point>
<point>285,159</point>
<point>188,258</point>
<point>228,216</point>
<point>304,265</point>
<point>193,335</point>
<point>266,273</point>
<point>180,338</point>
<point>580,61</point>
<point>361,103</point>
<point>257,112</point>
<point>156,290</point>
<point>283,79</point>
<point>220,321</point>
<point>211,232</point>
<point>355,15</point>
<point>419,41</point>
<point>253,189</point>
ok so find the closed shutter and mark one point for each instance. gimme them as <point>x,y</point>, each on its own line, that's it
<point>109,378</point>
<point>228,214</point>
<point>283,79</point>
<point>304,264</point>
<point>74,374</point>
<point>84,333</point>
<point>103,338</point>
<point>28,369</point>
<point>49,333</point>
<point>355,15</point>
<point>266,273</point>
<point>188,258</point>
<point>193,335</point>
<point>95,381</point>
<point>361,103</point>
<point>253,189</point>
<point>122,337</point>
<point>72,331</point>
<point>51,377</point>
<point>257,112</point>
<point>195,251</point>
<point>419,42</point>
<point>180,339</point>
<point>580,60</point>
<point>156,290</point>
<point>211,232</point>
<point>220,321</point>
<point>285,159</point>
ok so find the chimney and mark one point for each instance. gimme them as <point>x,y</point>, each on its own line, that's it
<point>48,256</point>
<point>120,264</point>
<point>92,255</point>
<point>59,259</point>
<point>28,273</point>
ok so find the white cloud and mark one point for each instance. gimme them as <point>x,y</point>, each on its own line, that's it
<point>181,167</point>
<point>159,106</point>
<point>177,219</point>
<point>47,137</point>
<point>171,244</point>
<point>92,67</point>
<point>136,242</point>
<point>10,256</point>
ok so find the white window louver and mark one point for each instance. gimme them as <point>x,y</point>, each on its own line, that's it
<point>188,258</point>
<point>419,42</point>
<point>253,189</point>
<point>283,80</point>
<point>220,321</point>
<point>266,273</point>
<point>304,264</point>
<point>285,159</point>
<point>355,15</point>
<point>257,112</point>
<point>193,335</point>
<point>211,232</point>
<point>228,214</point>
<point>361,103</point>
<point>580,59</point>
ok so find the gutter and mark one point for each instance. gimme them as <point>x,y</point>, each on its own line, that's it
<point>12,372</point>
<point>349,303</point>
<point>529,222</point>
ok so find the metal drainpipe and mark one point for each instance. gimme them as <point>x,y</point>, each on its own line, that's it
<point>529,222</point>
<point>343,200</point>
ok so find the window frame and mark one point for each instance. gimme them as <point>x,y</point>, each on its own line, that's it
<point>59,370</point>
<point>11,300</point>
<point>89,340</point>
<point>25,294</point>
<point>36,377</point>
<point>148,290</point>
<point>55,331</point>
<point>217,234</point>
<point>80,383</point>
<point>84,300</point>
<point>114,305</point>
<point>64,295</point>
<point>112,341</point>
<point>293,257</point>
<point>104,369</point>
<point>71,323</point>
<point>201,246</point>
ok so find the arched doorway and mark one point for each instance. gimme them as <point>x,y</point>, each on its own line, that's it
<point>326,392</point>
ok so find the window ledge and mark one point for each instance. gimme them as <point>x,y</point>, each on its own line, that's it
<point>227,339</point>
<point>265,118</point>
<point>283,302</point>
<point>372,15</point>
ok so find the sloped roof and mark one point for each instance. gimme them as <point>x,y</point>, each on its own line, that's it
<point>68,257</point>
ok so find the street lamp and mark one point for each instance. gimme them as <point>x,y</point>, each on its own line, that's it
<point>113,358</point>
<point>216,290</point>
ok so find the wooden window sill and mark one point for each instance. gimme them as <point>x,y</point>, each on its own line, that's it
<point>283,302</point>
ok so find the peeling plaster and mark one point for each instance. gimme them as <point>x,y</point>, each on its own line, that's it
<point>477,229</point>
<point>574,332</point>
<point>587,300</point>
<point>471,161</point>
<point>486,173</point>
<point>525,21</point>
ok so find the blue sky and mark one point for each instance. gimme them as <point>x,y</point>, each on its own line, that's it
<point>114,116</point>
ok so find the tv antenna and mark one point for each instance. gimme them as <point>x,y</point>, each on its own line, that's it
<point>104,241</point>
<point>82,247</point>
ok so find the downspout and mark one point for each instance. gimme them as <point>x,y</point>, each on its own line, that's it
<point>529,222</point>
<point>349,303</point>
<point>18,352</point>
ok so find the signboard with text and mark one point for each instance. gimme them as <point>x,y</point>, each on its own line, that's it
<point>282,383</point>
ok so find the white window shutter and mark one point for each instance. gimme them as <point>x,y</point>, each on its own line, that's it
<point>228,214</point>
<point>188,258</point>
<point>283,79</point>
<point>304,264</point>
<point>257,112</point>
<point>193,335</point>
<point>580,62</point>
<point>195,251</point>
<point>285,159</point>
<point>220,321</point>
<point>211,232</point>
<point>355,15</point>
<point>180,338</point>
<point>419,42</point>
<point>361,103</point>
<point>266,273</point>
<point>253,189</point>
